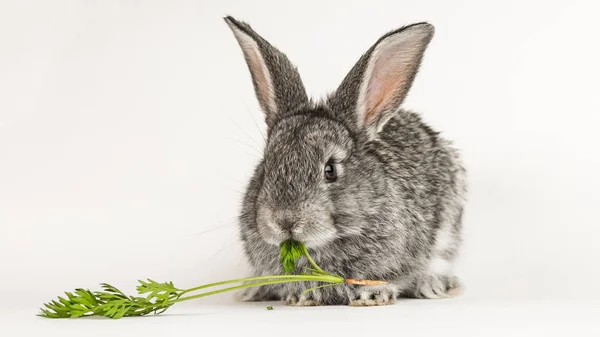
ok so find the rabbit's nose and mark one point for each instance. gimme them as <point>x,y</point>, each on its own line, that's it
<point>287,224</point>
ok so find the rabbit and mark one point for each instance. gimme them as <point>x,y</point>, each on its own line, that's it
<point>371,190</point>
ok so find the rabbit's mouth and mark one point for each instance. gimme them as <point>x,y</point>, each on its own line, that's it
<point>314,229</point>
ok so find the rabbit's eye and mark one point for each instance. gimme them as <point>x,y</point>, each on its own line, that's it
<point>330,174</point>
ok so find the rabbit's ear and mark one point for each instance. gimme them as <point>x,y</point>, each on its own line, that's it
<point>278,85</point>
<point>380,80</point>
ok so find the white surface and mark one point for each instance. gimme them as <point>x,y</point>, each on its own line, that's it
<point>460,317</point>
<point>128,130</point>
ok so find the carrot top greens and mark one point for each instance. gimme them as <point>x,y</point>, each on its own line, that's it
<point>155,298</point>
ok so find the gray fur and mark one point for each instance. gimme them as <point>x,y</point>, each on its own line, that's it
<point>288,87</point>
<point>396,194</point>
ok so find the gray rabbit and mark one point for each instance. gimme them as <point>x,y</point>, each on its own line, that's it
<point>369,188</point>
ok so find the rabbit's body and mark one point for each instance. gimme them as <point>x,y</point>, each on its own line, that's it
<point>392,208</point>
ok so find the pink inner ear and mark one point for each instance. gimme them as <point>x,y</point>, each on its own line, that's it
<point>391,66</point>
<point>259,71</point>
<point>260,75</point>
<point>383,88</point>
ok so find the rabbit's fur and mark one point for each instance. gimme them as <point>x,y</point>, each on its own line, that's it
<point>394,212</point>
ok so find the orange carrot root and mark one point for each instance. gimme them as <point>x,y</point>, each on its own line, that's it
<point>365,282</point>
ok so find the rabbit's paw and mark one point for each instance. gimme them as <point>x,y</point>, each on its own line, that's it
<point>438,286</point>
<point>302,301</point>
<point>246,295</point>
<point>375,295</point>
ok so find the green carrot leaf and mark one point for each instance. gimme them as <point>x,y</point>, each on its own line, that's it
<point>290,252</point>
<point>157,297</point>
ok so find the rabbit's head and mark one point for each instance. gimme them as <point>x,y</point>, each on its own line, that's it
<point>319,180</point>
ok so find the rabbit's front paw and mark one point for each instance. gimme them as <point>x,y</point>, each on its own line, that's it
<point>302,301</point>
<point>438,286</point>
<point>375,295</point>
<point>246,295</point>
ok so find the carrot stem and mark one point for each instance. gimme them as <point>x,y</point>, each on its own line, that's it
<point>365,282</point>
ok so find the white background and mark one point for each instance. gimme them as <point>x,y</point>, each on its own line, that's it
<point>128,130</point>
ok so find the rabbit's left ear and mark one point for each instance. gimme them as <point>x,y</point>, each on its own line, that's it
<point>381,79</point>
<point>277,83</point>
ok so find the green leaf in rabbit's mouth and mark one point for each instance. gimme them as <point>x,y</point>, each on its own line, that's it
<point>290,252</point>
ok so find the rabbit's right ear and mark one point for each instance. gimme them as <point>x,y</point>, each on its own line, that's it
<point>374,89</point>
<point>276,81</point>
